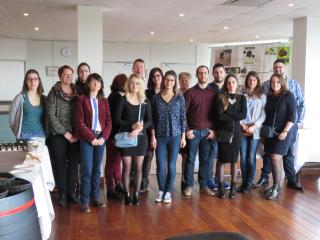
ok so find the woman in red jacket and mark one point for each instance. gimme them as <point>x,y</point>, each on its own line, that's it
<point>93,129</point>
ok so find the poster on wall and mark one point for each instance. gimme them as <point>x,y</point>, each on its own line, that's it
<point>249,55</point>
<point>283,53</point>
<point>223,56</point>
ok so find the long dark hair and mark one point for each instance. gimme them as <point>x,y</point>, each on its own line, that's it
<point>25,89</point>
<point>173,74</point>
<point>150,84</point>
<point>257,91</point>
<point>283,84</point>
<point>118,83</point>
<point>97,77</point>
<point>225,95</point>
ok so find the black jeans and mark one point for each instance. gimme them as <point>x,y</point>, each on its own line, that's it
<point>288,160</point>
<point>65,157</point>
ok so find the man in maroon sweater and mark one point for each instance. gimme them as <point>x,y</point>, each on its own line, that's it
<point>200,104</point>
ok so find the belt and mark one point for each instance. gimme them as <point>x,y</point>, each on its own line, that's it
<point>96,132</point>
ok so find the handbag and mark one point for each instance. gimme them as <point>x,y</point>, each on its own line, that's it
<point>270,131</point>
<point>122,139</point>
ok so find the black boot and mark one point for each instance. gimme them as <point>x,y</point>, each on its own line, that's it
<point>63,200</point>
<point>127,199</point>
<point>274,193</point>
<point>233,190</point>
<point>136,199</point>
<point>221,190</point>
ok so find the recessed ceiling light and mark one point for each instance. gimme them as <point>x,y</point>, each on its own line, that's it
<point>191,40</point>
<point>36,29</point>
<point>26,14</point>
<point>152,33</point>
<point>225,27</point>
<point>257,36</point>
<point>290,5</point>
<point>181,15</point>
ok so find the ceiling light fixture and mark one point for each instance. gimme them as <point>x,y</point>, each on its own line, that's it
<point>191,40</point>
<point>152,33</point>
<point>36,29</point>
<point>181,15</point>
<point>257,36</point>
<point>290,5</point>
<point>26,14</point>
<point>225,27</point>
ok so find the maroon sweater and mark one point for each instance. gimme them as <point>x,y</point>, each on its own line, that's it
<point>84,118</point>
<point>200,108</point>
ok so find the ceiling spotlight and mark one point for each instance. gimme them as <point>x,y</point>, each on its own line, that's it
<point>191,40</point>
<point>225,27</point>
<point>257,36</point>
<point>26,14</point>
<point>36,29</point>
<point>152,33</point>
<point>290,5</point>
<point>181,15</point>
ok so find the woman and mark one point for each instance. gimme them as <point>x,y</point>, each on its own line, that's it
<point>93,122</point>
<point>129,120</point>
<point>281,114</point>
<point>250,130</point>
<point>27,111</point>
<point>153,87</point>
<point>83,72</point>
<point>232,107</point>
<point>113,161</point>
<point>168,135</point>
<point>64,145</point>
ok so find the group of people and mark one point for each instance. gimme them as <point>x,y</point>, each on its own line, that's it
<point>214,120</point>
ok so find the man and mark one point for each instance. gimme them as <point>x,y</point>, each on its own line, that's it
<point>83,72</point>
<point>138,67</point>
<point>288,160</point>
<point>219,74</point>
<point>199,102</point>
<point>184,82</point>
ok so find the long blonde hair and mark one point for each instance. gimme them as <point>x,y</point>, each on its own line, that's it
<point>141,94</point>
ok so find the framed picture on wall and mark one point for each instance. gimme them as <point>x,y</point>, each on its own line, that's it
<point>52,71</point>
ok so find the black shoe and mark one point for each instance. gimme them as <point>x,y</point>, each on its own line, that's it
<point>262,182</point>
<point>127,199</point>
<point>221,190</point>
<point>293,185</point>
<point>242,187</point>
<point>98,204</point>
<point>233,190</point>
<point>113,195</point>
<point>73,198</point>
<point>119,188</point>
<point>62,201</point>
<point>144,185</point>
<point>274,192</point>
<point>136,199</point>
<point>247,188</point>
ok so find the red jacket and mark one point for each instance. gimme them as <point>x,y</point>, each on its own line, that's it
<point>84,118</point>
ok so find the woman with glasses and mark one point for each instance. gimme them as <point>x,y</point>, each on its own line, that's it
<point>133,115</point>
<point>27,110</point>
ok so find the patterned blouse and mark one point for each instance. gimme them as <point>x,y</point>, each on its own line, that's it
<point>169,119</point>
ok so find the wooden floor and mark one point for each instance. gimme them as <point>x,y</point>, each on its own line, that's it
<point>295,215</point>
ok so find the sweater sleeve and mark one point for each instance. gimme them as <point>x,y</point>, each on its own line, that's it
<point>108,121</point>
<point>51,113</point>
<point>147,120</point>
<point>262,115</point>
<point>182,115</point>
<point>292,108</point>
<point>118,115</point>
<point>242,113</point>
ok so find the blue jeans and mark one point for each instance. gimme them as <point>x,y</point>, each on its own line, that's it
<point>91,158</point>
<point>201,143</point>
<point>288,160</point>
<point>248,152</point>
<point>212,156</point>
<point>167,151</point>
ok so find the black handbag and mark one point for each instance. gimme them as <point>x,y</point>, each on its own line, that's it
<point>224,136</point>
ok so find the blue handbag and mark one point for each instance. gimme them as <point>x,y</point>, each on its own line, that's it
<point>122,139</point>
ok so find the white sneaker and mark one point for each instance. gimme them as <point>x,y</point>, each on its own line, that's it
<point>159,197</point>
<point>167,198</point>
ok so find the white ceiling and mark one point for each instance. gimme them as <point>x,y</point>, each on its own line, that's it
<point>132,20</point>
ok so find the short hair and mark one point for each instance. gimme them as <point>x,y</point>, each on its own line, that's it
<point>118,83</point>
<point>201,66</point>
<point>82,64</point>
<point>279,61</point>
<point>97,77</point>
<point>137,60</point>
<point>185,74</point>
<point>141,94</point>
<point>150,84</point>
<point>64,67</point>
<point>40,89</point>
<point>258,89</point>
<point>283,83</point>
<point>217,65</point>
<point>170,73</point>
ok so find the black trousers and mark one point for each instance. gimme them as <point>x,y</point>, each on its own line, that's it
<point>65,158</point>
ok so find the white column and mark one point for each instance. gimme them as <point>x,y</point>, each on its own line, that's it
<point>305,68</point>
<point>90,37</point>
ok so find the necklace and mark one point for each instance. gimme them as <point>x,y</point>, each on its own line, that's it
<point>232,101</point>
